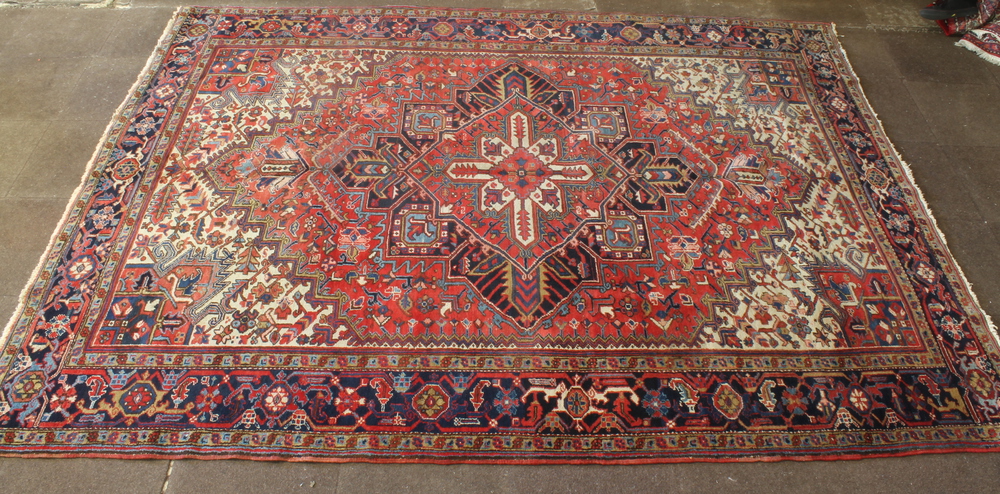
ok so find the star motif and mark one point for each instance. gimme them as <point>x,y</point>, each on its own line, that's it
<point>520,179</point>
<point>520,172</point>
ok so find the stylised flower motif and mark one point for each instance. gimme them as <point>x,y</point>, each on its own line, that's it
<point>81,267</point>
<point>858,139</point>
<point>584,31</point>
<point>508,401</point>
<point>270,26</point>
<point>522,174</point>
<point>728,401</point>
<point>56,326</point>
<point>348,401</point>
<point>629,305</point>
<point>137,399</point>
<point>243,321</point>
<point>103,217</point>
<point>492,30</point>
<point>899,222</point>
<point>277,399</point>
<point>165,91</point>
<point>430,402</point>
<point>215,238</point>
<point>144,126</point>
<point>314,26</point>
<point>794,401</point>
<point>683,245</point>
<point>859,400</point>
<point>577,402</point>
<point>351,236</point>
<point>425,304</point>
<point>952,327</point>
<point>400,28</point>
<point>630,33</point>
<point>63,398</point>
<point>208,399</point>
<point>28,386</point>
<point>656,403</point>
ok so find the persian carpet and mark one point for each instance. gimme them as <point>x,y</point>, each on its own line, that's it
<point>413,234</point>
<point>980,33</point>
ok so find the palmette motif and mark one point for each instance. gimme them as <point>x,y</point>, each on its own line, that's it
<point>472,236</point>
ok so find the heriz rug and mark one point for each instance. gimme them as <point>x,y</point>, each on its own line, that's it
<point>412,234</point>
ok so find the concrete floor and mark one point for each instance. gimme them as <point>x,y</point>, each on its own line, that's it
<point>64,70</point>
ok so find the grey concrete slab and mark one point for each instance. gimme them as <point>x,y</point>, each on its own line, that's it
<point>848,12</point>
<point>899,113</point>
<point>755,9</point>
<point>60,33</point>
<point>979,162</point>
<point>486,4</point>
<point>18,265</point>
<point>10,18</point>
<point>951,197</point>
<point>929,473</point>
<point>55,170</point>
<point>251,477</point>
<point>974,245</point>
<point>20,228</point>
<point>845,14</point>
<point>82,476</point>
<point>924,474</point>
<point>136,33</point>
<point>970,241</point>
<point>897,14</point>
<point>680,7</point>
<point>17,141</point>
<point>923,58</point>
<point>415,478</point>
<point>868,53</point>
<point>51,80</point>
<point>574,5</point>
<point>963,114</point>
<point>7,305</point>
<point>926,158</point>
<point>22,241</point>
<point>102,87</point>
<point>994,71</point>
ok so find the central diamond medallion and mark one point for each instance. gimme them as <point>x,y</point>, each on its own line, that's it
<point>520,179</point>
<point>518,173</point>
